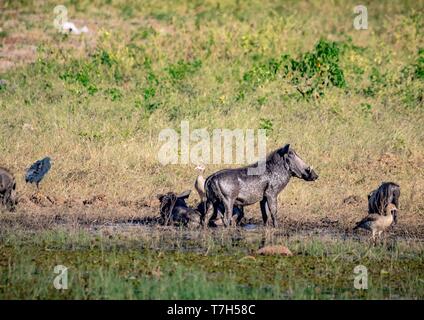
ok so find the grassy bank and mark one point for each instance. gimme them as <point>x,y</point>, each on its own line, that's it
<point>349,101</point>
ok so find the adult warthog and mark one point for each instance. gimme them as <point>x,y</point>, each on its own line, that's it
<point>387,193</point>
<point>239,187</point>
<point>7,189</point>
<point>175,211</point>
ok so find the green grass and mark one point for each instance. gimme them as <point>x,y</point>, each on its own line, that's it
<point>212,268</point>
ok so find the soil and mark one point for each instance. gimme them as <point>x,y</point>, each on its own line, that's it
<point>39,211</point>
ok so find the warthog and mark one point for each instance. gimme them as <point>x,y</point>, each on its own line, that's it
<point>199,185</point>
<point>7,189</point>
<point>238,213</point>
<point>175,211</point>
<point>236,187</point>
<point>379,199</point>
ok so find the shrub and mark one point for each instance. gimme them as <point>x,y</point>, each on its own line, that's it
<point>266,124</point>
<point>181,69</point>
<point>419,66</point>
<point>311,73</point>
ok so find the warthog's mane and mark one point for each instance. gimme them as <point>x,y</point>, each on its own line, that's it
<point>379,198</point>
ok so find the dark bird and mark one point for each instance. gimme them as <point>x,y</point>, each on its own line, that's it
<point>37,171</point>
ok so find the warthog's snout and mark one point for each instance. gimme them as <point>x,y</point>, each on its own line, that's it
<point>310,174</point>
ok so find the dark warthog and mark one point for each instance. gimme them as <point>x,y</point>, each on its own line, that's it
<point>379,199</point>
<point>236,187</point>
<point>175,211</point>
<point>7,189</point>
<point>199,185</point>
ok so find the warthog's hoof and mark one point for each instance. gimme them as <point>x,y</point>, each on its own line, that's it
<point>274,250</point>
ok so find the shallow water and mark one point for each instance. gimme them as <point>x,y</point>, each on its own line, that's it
<point>321,266</point>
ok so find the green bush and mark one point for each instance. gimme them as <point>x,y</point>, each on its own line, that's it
<point>311,73</point>
<point>181,69</point>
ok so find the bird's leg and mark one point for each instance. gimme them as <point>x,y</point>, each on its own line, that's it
<point>373,237</point>
<point>39,193</point>
<point>379,236</point>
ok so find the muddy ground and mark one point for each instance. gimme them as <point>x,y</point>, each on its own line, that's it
<point>119,250</point>
<point>39,212</point>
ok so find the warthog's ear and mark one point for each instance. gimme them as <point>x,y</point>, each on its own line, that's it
<point>370,194</point>
<point>184,195</point>
<point>160,196</point>
<point>284,150</point>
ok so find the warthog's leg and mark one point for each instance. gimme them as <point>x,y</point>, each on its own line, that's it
<point>264,210</point>
<point>228,214</point>
<point>206,215</point>
<point>5,199</point>
<point>272,206</point>
<point>212,217</point>
<point>240,214</point>
<point>214,214</point>
<point>269,208</point>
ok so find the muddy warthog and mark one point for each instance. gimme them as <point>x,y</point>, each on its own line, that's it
<point>238,213</point>
<point>199,185</point>
<point>7,189</point>
<point>236,187</point>
<point>387,193</point>
<point>175,211</point>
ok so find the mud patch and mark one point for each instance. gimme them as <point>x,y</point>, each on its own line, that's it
<point>274,251</point>
<point>352,200</point>
<point>41,200</point>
